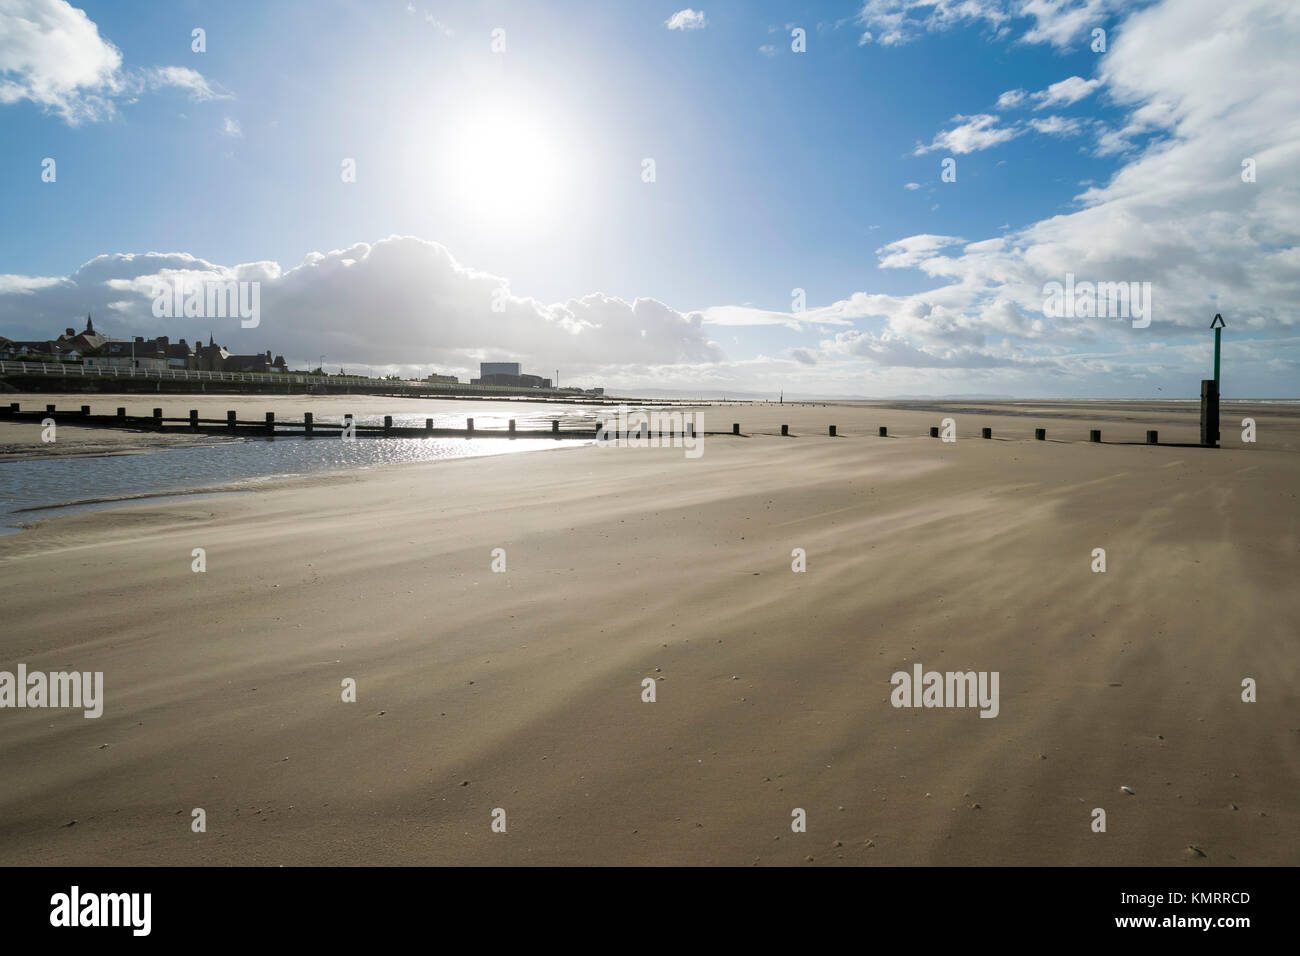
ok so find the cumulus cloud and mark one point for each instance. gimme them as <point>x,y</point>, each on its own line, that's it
<point>1062,22</point>
<point>1065,93</point>
<point>895,22</point>
<point>1056,126</point>
<point>980,132</point>
<point>1056,22</point>
<point>398,301</point>
<point>182,78</point>
<point>743,315</point>
<point>52,54</point>
<point>687,19</point>
<point>971,134</point>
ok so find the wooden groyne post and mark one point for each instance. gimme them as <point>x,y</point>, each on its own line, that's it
<point>986,433</point>
<point>1095,435</point>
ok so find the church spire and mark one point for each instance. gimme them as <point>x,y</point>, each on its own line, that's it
<point>90,326</point>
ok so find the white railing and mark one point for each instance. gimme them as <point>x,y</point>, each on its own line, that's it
<point>275,378</point>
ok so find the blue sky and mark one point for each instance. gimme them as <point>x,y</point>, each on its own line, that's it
<point>775,170</point>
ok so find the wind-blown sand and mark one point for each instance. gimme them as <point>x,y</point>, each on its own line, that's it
<point>522,690</point>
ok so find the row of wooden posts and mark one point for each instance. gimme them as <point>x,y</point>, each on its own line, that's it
<point>1040,434</point>
<point>308,426</point>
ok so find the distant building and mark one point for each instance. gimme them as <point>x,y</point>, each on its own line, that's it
<point>486,369</point>
<point>161,352</point>
<point>210,357</point>
<point>18,350</point>
<point>214,358</point>
<point>255,363</point>
<point>508,374</point>
<point>85,341</point>
<point>69,346</point>
<point>443,380</point>
<point>513,381</point>
<point>138,353</point>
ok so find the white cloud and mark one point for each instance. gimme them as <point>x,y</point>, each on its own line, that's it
<point>1061,22</point>
<point>230,127</point>
<point>895,22</point>
<point>400,300</point>
<point>744,315</point>
<point>687,19</point>
<point>913,250</point>
<point>973,133</point>
<point>1011,99</point>
<point>767,50</point>
<point>181,78</point>
<point>53,55</point>
<point>438,25</point>
<point>911,186</point>
<point>1065,93</point>
<point>1056,126</point>
<point>1057,22</point>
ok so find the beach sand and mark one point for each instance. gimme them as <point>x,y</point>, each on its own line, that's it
<point>522,690</point>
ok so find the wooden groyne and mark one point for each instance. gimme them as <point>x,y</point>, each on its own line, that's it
<point>308,427</point>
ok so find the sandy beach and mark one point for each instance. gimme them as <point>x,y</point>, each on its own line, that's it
<point>522,690</point>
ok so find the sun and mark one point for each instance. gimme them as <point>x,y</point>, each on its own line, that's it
<point>503,165</point>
